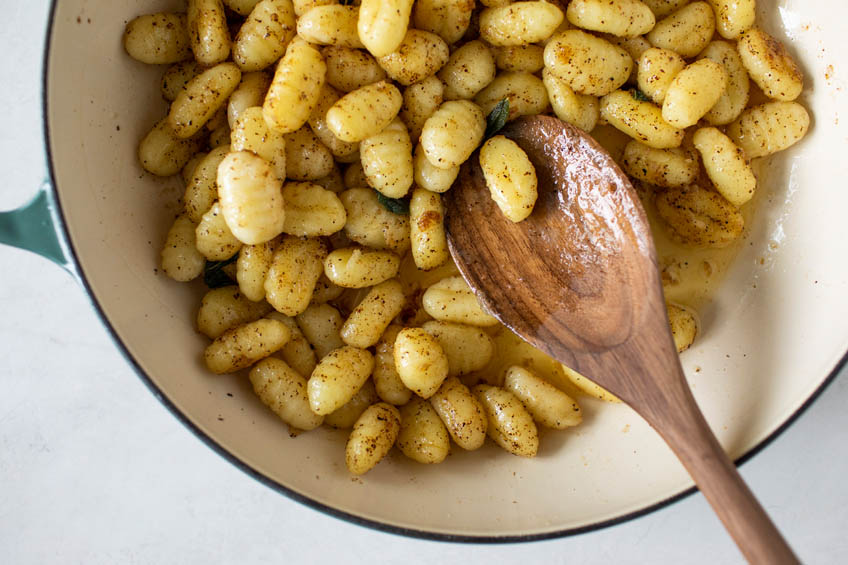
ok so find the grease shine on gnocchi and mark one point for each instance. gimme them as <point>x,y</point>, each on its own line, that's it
<point>314,140</point>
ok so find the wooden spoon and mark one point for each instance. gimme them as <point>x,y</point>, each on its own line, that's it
<point>578,279</point>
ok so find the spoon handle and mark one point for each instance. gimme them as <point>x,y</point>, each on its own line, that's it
<point>722,485</point>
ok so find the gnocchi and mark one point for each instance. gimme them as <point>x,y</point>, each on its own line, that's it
<point>364,112</point>
<point>321,326</point>
<point>241,7</point>
<point>337,377</point>
<point>158,39</point>
<point>345,416</point>
<point>295,88</point>
<point>686,31</point>
<point>662,8</point>
<point>510,424</point>
<point>733,17</point>
<point>264,36</point>
<point>699,217</point>
<point>421,362</point>
<point>283,390</point>
<point>548,405</point>
<point>693,92</point>
<point>580,110</point>
<point>588,64</point>
<point>241,347</point>
<point>447,18</point>
<point>625,18</point>
<point>519,23</point>
<point>656,71</point>
<point>452,300</point>
<point>252,266</point>
<point>684,327</point>
<point>389,386</point>
<point>201,98</point>
<point>735,96</point>
<point>250,198</point>
<point>369,223</point>
<point>634,46</point>
<point>427,230</point>
<point>726,165</point>
<point>452,133</point>
<point>332,24</point>
<point>523,58</point>
<point>180,258</point>
<point>770,127</point>
<point>420,101</point>
<point>250,132</point>
<point>418,56</point>
<point>202,187</point>
<point>373,435</point>
<point>468,71</point>
<point>462,414</point>
<point>639,119</point>
<point>315,139</point>
<point>162,152</point>
<point>213,237</point>
<point>430,177</point>
<point>468,348</point>
<point>349,69</point>
<point>770,65</point>
<point>294,271</point>
<point>312,210</point>
<point>356,267</point>
<point>422,436</point>
<point>668,168</point>
<point>510,177</point>
<point>208,31</point>
<point>373,315</point>
<point>382,24</point>
<point>387,160</point>
<point>341,150</point>
<point>176,77</point>
<point>526,94</point>
<point>249,93</point>
<point>297,352</point>
<point>225,308</point>
<point>306,157</point>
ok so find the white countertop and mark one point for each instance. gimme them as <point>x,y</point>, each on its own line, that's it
<point>94,470</point>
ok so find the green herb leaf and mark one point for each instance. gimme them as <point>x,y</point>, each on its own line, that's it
<point>639,95</point>
<point>394,205</point>
<point>214,275</point>
<point>497,118</point>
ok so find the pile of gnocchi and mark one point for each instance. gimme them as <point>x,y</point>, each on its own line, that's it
<point>315,138</point>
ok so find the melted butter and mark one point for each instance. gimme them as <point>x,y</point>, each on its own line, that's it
<point>690,275</point>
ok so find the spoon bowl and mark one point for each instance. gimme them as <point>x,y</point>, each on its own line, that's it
<point>578,279</point>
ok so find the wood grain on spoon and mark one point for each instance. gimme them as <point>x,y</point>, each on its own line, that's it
<point>579,280</point>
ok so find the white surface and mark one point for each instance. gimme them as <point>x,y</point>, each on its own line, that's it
<point>94,470</point>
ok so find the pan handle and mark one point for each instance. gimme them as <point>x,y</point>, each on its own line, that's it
<point>36,226</point>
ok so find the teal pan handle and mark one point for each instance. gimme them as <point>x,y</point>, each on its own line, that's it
<point>35,227</point>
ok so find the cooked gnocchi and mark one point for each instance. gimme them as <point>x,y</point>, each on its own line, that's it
<point>510,177</point>
<point>315,140</point>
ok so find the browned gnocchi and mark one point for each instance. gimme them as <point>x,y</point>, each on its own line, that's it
<point>315,140</point>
